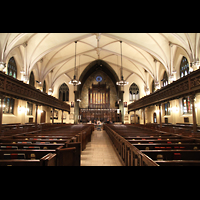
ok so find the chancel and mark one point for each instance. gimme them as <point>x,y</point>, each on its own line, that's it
<point>65,95</point>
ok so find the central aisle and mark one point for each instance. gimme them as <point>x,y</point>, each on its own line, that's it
<point>99,152</point>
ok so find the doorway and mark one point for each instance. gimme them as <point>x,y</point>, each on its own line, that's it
<point>154,118</point>
<point>137,119</point>
<point>43,117</point>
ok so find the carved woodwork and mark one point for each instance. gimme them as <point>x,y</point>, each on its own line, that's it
<point>14,88</point>
<point>185,86</point>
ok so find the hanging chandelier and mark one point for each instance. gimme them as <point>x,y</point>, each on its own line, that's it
<point>74,81</point>
<point>122,82</point>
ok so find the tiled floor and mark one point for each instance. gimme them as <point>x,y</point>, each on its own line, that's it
<point>99,152</point>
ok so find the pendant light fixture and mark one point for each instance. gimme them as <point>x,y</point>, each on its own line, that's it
<point>74,81</point>
<point>122,82</point>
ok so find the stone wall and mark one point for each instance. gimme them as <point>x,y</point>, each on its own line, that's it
<point>92,80</point>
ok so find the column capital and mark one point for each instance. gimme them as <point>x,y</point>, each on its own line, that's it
<point>25,44</point>
<point>2,66</point>
<point>192,97</point>
<point>2,96</point>
<point>171,44</point>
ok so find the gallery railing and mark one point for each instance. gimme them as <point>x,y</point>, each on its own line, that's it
<point>185,86</point>
<point>14,88</point>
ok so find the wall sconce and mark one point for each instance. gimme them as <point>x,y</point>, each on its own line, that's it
<point>50,91</point>
<point>21,109</point>
<point>175,109</point>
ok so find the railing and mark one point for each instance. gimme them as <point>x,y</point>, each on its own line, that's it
<point>12,87</point>
<point>187,85</point>
<point>127,153</point>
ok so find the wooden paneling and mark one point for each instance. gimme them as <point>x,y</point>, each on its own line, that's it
<point>188,85</point>
<point>12,87</point>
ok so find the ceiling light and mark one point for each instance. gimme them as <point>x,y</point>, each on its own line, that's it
<point>74,81</point>
<point>122,82</point>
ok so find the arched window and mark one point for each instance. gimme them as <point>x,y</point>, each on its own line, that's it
<point>44,86</point>
<point>153,86</point>
<point>187,106</point>
<point>32,79</point>
<point>184,68</point>
<point>8,107</point>
<point>167,108</point>
<point>64,92</point>
<point>133,92</point>
<point>9,102</point>
<point>165,79</point>
<point>12,68</point>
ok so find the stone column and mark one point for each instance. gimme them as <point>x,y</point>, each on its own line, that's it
<point>76,107</point>
<point>121,105</point>
<point>1,111</point>
<point>62,117</point>
<point>36,115</point>
<point>144,116</point>
<point>53,116</point>
<point>160,114</point>
<point>134,116</point>
<point>192,97</point>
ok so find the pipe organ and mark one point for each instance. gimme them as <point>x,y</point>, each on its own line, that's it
<point>99,105</point>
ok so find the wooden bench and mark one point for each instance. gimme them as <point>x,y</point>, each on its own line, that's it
<point>150,145</point>
<point>47,160</point>
<point>162,146</point>
<point>65,141</point>
<point>178,154</point>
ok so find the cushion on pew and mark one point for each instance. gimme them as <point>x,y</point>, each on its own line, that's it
<point>24,142</point>
<point>42,142</point>
<point>9,147</point>
<point>177,156</point>
<point>31,147</point>
<point>14,156</point>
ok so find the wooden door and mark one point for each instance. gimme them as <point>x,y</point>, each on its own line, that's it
<point>43,117</point>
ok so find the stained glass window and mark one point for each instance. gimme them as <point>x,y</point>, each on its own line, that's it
<point>133,92</point>
<point>64,92</point>
<point>8,107</point>
<point>187,106</point>
<point>12,68</point>
<point>165,79</point>
<point>184,68</point>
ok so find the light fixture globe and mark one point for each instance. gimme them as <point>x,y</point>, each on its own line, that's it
<point>74,82</point>
<point>122,82</point>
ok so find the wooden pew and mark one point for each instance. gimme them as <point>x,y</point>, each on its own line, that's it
<point>173,154</point>
<point>162,146</point>
<point>47,160</point>
<point>178,163</point>
<point>150,144</point>
<point>66,141</point>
